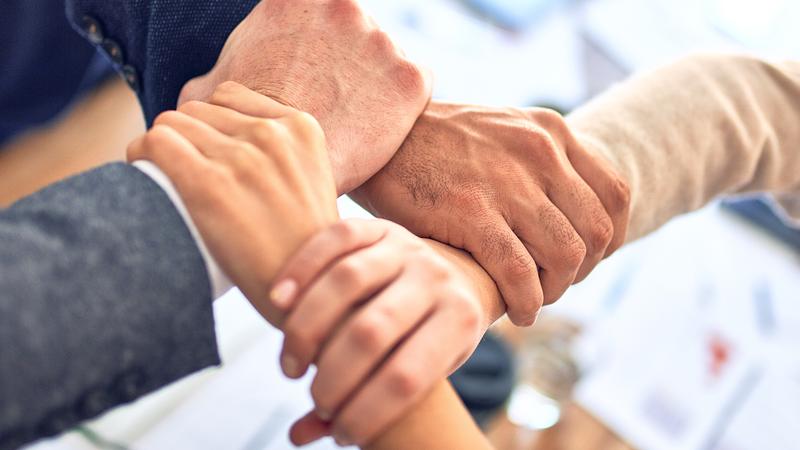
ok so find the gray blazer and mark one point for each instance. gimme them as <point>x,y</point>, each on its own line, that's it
<point>104,297</point>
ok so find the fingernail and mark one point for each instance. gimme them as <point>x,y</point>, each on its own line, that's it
<point>291,366</point>
<point>342,439</point>
<point>325,416</point>
<point>283,293</point>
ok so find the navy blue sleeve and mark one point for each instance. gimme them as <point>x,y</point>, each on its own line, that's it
<point>104,297</point>
<point>159,45</point>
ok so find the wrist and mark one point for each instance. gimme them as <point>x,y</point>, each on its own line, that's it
<point>476,280</point>
<point>219,281</point>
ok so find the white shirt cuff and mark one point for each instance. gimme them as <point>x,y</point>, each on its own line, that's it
<point>220,283</point>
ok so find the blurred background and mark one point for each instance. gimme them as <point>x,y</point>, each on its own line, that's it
<point>685,340</point>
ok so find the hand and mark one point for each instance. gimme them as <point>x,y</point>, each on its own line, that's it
<point>327,58</point>
<point>513,188</point>
<point>255,178</point>
<point>384,317</point>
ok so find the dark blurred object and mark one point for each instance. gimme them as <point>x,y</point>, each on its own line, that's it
<point>512,14</point>
<point>548,373</point>
<point>760,212</point>
<point>46,64</point>
<point>485,381</point>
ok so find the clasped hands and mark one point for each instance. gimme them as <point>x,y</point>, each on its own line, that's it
<point>383,311</point>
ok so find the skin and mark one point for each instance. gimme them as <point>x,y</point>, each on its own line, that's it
<point>270,160</point>
<point>536,212</point>
<point>372,414</point>
<point>408,188</point>
<point>255,155</point>
<point>513,188</point>
<point>326,57</point>
<point>423,427</point>
<point>370,298</point>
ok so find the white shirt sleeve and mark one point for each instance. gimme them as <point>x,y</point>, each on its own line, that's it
<point>220,283</point>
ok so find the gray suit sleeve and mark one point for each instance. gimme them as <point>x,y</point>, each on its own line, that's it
<point>104,297</point>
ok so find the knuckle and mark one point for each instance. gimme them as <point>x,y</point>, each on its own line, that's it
<point>542,144</point>
<point>304,120</point>
<point>601,233</point>
<point>574,254</point>
<point>368,333</point>
<point>411,80</point>
<point>307,125</point>
<point>347,10</point>
<point>496,245</point>
<point>263,131</point>
<point>350,273</point>
<point>521,265</point>
<point>227,87</point>
<point>224,91</point>
<point>438,267</point>
<point>166,117</point>
<point>404,382</point>
<point>156,139</point>
<point>620,195</point>
<point>243,155</point>
<point>379,41</point>
<point>469,311</point>
<point>191,106</point>
<point>549,119</point>
<point>475,200</point>
<point>346,231</point>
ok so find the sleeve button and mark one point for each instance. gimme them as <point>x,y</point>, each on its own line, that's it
<point>114,51</point>
<point>131,77</point>
<point>93,29</point>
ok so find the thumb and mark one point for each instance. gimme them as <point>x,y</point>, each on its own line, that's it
<point>198,88</point>
<point>308,429</point>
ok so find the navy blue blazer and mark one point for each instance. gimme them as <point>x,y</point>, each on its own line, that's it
<point>158,45</point>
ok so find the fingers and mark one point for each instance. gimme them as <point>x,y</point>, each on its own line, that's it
<point>171,152</point>
<point>363,343</point>
<point>556,247</point>
<point>402,381</point>
<point>319,310</point>
<point>239,98</point>
<point>318,253</point>
<point>612,191</point>
<point>224,120</point>
<point>581,206</point>
<point>501,253</point>
<point>203,136</point>
<point>308,429</point>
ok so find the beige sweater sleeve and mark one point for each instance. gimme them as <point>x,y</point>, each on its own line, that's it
<point>704,126</point>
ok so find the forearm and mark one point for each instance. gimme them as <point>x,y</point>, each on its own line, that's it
<point>689,132</point>
<point>440,421</point>
<point>107,250</point>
